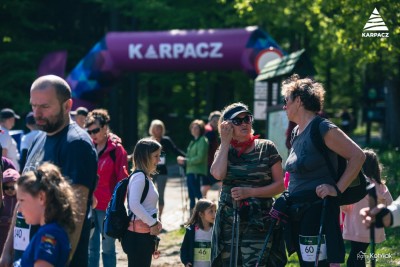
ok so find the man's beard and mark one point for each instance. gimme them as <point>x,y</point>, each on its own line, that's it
<point>51,127</point>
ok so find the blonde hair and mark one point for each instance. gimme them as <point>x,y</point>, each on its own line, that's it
<point>142,154</point>
<point>229,108</point>
<point>155,123</point>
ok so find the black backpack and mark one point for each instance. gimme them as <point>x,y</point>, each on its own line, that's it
<point>357,190</point>
<point>116,220</point>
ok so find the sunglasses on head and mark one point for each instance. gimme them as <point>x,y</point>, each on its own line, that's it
<point>5,187</point>
<point>239,121</point>
<point>94,131</point>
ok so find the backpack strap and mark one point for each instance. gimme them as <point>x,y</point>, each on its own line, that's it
<point>319,143</point>
<point>144,193</point>
<point>145,189</point>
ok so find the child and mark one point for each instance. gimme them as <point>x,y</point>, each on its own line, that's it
<point>10,176</point>
<point>196,246</point>
<point>353,229</point>
<point>46,198</point>
<point>139,243</point>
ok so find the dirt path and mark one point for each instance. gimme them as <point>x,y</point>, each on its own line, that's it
<point>175,214</point>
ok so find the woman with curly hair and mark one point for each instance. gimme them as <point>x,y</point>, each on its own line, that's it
<point>311,181</point>
<point>45,198</point>
<point>112,167</point>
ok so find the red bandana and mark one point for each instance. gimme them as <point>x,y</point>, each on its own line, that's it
<point>242,146</point>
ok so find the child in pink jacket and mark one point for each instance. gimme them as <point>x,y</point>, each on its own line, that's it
<point>353,229</point>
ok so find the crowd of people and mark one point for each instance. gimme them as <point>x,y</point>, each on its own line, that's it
<point>56,188</point>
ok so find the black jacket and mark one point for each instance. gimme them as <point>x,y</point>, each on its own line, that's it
<point>187,247</point>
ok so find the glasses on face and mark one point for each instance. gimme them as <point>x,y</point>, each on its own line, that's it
<point>5,188</point>
<point>239,121</point>
<point>285,100</point>
<point>94,131</point>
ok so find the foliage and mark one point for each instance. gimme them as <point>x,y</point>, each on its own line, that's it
<point>329,30</point>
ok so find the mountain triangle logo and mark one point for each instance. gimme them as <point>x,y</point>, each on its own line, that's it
<point>375,23</point>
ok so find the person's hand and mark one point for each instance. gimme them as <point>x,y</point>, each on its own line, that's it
<point>6,260</point>
<point>369,216</point>
<point>324,190</point>
<point>226,131</point>
<point>156,229</point>
<point>239,193</point>
<point>181,160</point>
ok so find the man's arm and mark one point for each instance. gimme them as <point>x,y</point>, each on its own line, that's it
<point>7,255</point>
<point>81,193</point>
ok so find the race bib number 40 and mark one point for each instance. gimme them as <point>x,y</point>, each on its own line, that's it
<point>21,234</point>
<point>308,248</point>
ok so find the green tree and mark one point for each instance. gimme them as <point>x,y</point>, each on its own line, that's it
<point>346,63</point>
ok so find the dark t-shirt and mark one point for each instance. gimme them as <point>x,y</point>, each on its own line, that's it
<point>213,144</point>
<point>168,147</point>
<point>50,244</point>
<point>73,152</point>
<point>306,165</point>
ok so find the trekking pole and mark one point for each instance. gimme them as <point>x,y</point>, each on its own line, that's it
<point>235,236</point>
<point>321,224</point>
<point>237,232</point>
<point>183,193</point>
<point>277,214</point>
<point>372,201</point>
<point>271,229</point>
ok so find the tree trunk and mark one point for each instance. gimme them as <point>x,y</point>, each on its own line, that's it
<point>392,123</point>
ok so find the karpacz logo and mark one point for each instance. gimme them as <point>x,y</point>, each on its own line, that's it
<point>376,26</point>
<point>176,51</point>
<point>375,34</point>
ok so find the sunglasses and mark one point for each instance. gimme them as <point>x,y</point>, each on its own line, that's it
<point>94,131</point>
<point>8,187</point>
<point>239,121</point>
<point>285,100</point>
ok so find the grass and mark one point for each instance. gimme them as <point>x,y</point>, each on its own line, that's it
<point>171,242</point>
<point>390,158</point>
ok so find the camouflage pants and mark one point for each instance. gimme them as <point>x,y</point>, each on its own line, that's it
<point>251,241</point>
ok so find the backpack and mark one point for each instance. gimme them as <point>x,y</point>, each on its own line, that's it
<point>357,190</point>
<point>116,220</point>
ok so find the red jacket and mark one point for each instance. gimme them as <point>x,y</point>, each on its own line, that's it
<point>110,172</point>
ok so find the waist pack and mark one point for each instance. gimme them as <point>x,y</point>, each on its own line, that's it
<point>116,220</point>
<point>357,190</point>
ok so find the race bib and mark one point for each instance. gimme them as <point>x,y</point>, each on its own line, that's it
<point>308,248</point>
<point>202,251</point>
<point>162,160</point>
<point>21,234</point>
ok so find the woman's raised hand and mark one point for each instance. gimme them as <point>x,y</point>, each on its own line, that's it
<point>226,131</point>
